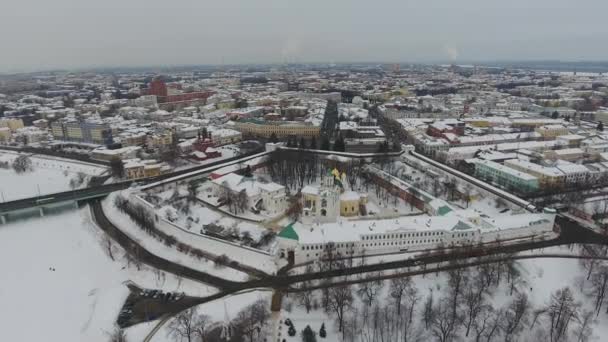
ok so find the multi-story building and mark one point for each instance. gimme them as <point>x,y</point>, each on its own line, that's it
<point>266,129</point>
<point>137,168</point>
<point>82,131</point>
<point>551,131</point>
<point>5,134</point>
<point>224,136</point>
<point>11,123</point>
<point>180,99</point>
<point>547,176</point>
<point>505,176</point>
<point>268,197</point>
<point>159,140</point>
<point>304,242</point>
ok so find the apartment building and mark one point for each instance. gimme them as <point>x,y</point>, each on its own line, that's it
<point>12,124</point>
<point>85,132</point>
<point>266,129</point>
<point>505,176</point>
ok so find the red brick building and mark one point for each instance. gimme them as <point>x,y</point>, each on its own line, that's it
<point>159,88</point>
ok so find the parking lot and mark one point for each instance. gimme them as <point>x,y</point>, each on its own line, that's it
<point>143,305</point>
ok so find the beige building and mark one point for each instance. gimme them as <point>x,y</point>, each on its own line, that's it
<point>265,129</point>
<point>137,168</point>
<point>568,154</point>
<point>5,134</point>
<point>351,202</point>
<point>225,136</point>
<point>550,132</point>
<point>547,176</point>
<point>133,139</point>
<point>155,141</point>
<point>12,124</point>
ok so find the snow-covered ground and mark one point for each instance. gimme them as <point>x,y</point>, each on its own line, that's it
<point>542,277</point>
<point>49,175</point>
<point>219,310</point>
<point>124,222</point>
<point>80,298</point>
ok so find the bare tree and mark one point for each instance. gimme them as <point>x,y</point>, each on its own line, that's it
<point>251,322</point>
<point>399,287</point>
<point>340,301</point>
<point>369,290</point>
<point>201,323</point>
<point>584,329</point>
<point>467,193</point>
<point>428,313</point>
<point>474,300</point>
<point>241,201</point>
<point>305,298</point>
<point>486,323</point>
<point>598,285</point>
<point>107,242</point>
<point>443,325</point>
<point>132,257</point>
<point>183,326</point>
<point>118,335</point>
<point>561,311</point>
<point>458,279</point>
<point>515,317</point>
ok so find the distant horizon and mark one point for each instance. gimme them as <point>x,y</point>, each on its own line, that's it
<point>150,67</point>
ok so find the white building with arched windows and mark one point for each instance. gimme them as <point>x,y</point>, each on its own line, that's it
<point>309,242</point>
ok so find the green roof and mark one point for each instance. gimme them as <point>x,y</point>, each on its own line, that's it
<point>461,226</point>
<point>289,233</point>
<point>443,210</point>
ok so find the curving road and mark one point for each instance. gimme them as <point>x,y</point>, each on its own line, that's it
<point>571,233</point>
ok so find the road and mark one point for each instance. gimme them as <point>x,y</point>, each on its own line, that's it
<point>148,258</point>
<point>571,233</point>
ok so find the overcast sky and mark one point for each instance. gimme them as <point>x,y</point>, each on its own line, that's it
<point>42,34</point>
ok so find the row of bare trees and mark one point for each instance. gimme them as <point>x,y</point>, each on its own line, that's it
<point>251,324</point>
<point>460,307</point>
<point>147,223</point>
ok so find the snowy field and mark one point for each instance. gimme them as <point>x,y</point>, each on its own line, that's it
<point>49,175</point>
<point>81,298</point>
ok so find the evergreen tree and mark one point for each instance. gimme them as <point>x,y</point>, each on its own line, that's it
<point>302,143</point>
<point>600,126</point>
<point>313,143</point>
<point>117,167</point>
<point>322,332</point>
<point>308,335</point>
<point>339,144</point>
<point>247,172</point>
<point>555,115</point>
<point>292,331</point>
<point>273,138</point>
<point>325,145</point>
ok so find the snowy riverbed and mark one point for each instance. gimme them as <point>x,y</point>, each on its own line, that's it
<point>81,298</point>
<point>49,175</point>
